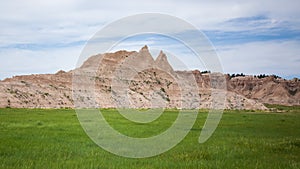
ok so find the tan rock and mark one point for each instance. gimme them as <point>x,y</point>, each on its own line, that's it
<point>134,79</point>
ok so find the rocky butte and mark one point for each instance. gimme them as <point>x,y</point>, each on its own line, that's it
<point>135,80</point>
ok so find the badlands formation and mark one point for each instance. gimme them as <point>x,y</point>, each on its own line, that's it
<point>135,80</point>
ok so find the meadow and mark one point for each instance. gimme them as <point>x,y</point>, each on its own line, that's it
<point>53,138</point>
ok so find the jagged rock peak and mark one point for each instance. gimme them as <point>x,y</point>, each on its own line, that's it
<point>145,55</point>
<point>139,60</point>
<point>162,56</point>
<point>162,62</point>
<point>145,48</point>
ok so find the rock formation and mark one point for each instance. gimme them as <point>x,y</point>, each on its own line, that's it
<point>134,79</point>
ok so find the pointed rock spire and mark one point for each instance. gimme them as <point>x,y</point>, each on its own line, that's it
<point>161,62</point>
<point>144,56</point>
<point>145,48</point>
<point>140,60</point>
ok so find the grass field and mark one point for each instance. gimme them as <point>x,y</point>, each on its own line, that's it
<point>38,138</point>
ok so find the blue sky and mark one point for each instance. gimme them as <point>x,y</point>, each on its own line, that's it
<point>252,37</point>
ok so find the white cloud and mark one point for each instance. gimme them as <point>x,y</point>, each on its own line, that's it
<point>22,61</point>
<point>55,22</point>
<point>272,57</point>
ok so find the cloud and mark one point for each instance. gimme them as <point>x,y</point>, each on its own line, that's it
<point>272,57</point>
<point>24,61</point>
<point>34,31</point>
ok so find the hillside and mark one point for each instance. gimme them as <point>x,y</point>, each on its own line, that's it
<point>101,80</point>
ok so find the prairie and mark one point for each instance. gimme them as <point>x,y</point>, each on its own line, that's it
<point>54,138</point>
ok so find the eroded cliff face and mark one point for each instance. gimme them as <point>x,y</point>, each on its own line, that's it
<point>269,90</point>
<point>136,80</point>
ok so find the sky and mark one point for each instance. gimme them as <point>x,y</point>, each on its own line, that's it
<point>250,37</point>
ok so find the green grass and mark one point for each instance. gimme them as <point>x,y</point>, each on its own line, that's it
<point>38,138</point>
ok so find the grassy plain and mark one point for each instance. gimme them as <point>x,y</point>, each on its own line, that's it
<point>53,138</point>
